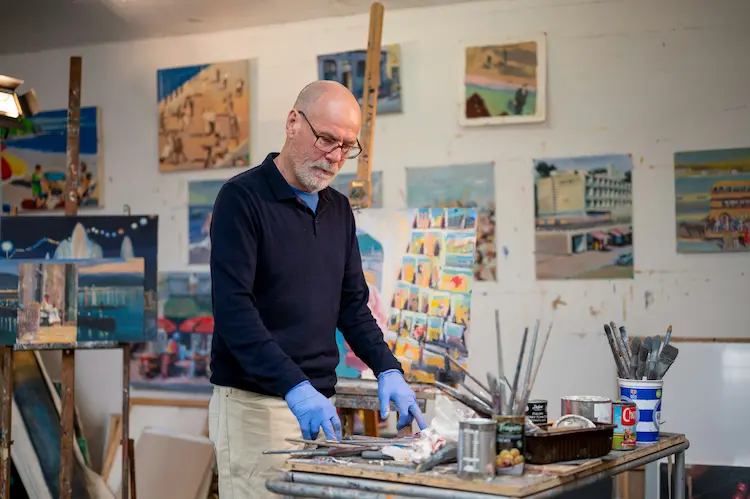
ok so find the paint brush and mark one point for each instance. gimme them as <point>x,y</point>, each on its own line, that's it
<point>529,366</point>
<point>541,354</point>
<point>466,372</point>
<point>653,357</point>
<point>621,371</point>
<point>626,342</point>
<point>495,392</point>
<point>667,337</point>
<point>480,396</point>
<point>514,388</point>
<point>642,357</point>
<point>666,359</point>
<point>635,347</point>
<point>621,346</point>
<point>500,366</point>
<point>476,405</point>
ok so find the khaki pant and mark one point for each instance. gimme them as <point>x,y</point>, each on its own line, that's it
<point>241,426</point>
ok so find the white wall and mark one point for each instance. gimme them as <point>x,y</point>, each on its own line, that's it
<point>646,77</point>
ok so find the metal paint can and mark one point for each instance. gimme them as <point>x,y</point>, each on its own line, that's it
<point>536,411</point>
<point>510,445</point>
<point>624,416</point>
<point>476,448</point>
<point>597,409</point>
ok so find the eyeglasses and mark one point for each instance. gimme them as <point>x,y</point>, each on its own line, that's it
<point>328,144</point>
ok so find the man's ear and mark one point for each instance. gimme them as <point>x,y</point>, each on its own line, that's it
<point>292,123</point>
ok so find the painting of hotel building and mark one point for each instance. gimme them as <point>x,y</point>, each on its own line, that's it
<point>583,210</point>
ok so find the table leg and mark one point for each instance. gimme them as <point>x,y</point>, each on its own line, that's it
<point>651,481</point>
<point>679,476</point>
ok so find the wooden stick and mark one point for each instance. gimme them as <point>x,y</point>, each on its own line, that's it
<point>166,402</point>
<point>131,456</point>
<point>370,103</point>
<point>73,131</point>
<point>125,422</point>
<point>5,420</point>
<point>67,423</point>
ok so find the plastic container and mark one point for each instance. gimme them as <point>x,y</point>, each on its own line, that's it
<point>646,394</point>
<point>546,447</point>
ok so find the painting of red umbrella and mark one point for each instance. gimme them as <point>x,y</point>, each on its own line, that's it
<point>167,326</point>
<point>202,324</point>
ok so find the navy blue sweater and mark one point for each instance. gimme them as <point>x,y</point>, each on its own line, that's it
<point>283,279</point>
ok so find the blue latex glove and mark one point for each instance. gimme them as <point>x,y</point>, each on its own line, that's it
<point>313,411</point>
<point>393,387</point>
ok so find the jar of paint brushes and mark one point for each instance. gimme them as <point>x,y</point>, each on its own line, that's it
<point>509,445</point>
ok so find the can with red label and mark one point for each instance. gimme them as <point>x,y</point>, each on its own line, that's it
<point>624,415</point>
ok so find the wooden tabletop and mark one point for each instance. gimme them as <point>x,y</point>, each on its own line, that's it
<point>512,486</point>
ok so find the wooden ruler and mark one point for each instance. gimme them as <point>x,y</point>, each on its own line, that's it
<point>360,190</point>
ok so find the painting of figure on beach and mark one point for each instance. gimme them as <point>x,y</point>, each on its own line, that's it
<point>204,116</point>
<point>348,68</point>
<point>461,186</point>
<point>342,180</point>
<point>76,238</point>
<point>110,300</point>
<point>180,357</point>
<point>34,170</point>
<point>712,191</point>
<point>505,84</point>
<point>584,217</point>
<point>201,197</point>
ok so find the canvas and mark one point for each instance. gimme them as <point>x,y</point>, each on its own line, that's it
<point>709,482</point>
<point>201,197</point>
<point>204,116</point>
<point>505,83</point>
<point>34,162</point>
<point>469,186</point>
<point>342,180</point>
<point>348,68</point>
<point>418,267</point>
<point>712,198</point>
<point>82,239</point>
<point>180,357</point>
<point>584,215</point>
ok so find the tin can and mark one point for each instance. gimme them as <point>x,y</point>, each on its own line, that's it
<point>597,409</point>
<point>509,447</point>
<point>536,411</point>
<point>476,448</point>
<point>624,417</point>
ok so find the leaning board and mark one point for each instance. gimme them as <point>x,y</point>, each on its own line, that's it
<point>520,486</point>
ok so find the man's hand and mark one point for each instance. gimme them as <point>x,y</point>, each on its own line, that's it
<point>313,411</point>
<point>393,387</point>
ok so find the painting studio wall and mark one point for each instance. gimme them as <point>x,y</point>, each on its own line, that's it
<point>649,79</point>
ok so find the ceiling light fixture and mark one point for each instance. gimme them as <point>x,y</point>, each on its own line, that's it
<point>14,107</point>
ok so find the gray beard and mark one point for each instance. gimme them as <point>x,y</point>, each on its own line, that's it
<point>309,179</point>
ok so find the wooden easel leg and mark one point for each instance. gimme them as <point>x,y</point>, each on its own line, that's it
<point>5,420</point>
<point>131,456</point>
<point>125,434</point>
<point>67,423</point>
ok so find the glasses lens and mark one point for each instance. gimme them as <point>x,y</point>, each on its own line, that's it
<point>354,152</point>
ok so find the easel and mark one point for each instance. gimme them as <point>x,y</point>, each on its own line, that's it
<point>67,395</point>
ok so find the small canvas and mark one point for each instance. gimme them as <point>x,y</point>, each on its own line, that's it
<point>34,162</point>
<point>712,198</point>
<point>201,198</point>
<point>48,302</point>
<point>204,116</point>
<point>179,359</point>
<point>584,217</point>
<point>505,83</point>
<point>348,68</point>
<point>342,180</point>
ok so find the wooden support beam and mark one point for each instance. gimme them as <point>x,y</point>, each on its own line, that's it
<point>67,423</point>
<point>6,398</point>
<point>73,131</point>
<point>360,190</point>
<point>127,463</point>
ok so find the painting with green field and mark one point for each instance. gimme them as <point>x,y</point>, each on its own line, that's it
<point>505,83</point>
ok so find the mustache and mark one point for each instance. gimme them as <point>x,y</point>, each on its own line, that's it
<point>324,165</point>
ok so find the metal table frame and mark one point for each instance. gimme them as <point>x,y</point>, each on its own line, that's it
<point>299,484</point>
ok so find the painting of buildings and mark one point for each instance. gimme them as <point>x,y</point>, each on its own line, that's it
<point>464,186</point>
<point>342,180</point>
<point>204,116</point>
<point>77,238</point>
<point>348,68</point>
<point>180,357</point>
<point>110,300</point>
<point>201,197</point>
<point>583,209</point>
<point>712,198</point>
<point>48,303</point>
<point>504,83</point>
<point>34,165</point>
<point>8,302</point>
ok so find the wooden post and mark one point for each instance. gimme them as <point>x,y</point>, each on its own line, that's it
<point>125,424</point>
<point>67,414</point>
<point>5,420</point>
<point>360,190</point>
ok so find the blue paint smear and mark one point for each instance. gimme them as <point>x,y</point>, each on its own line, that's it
<point>169,80</point>
<point>51,136</point>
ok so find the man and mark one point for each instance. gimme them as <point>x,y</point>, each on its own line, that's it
<point>286,272</point>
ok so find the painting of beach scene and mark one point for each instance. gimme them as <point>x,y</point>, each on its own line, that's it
<point>110,300</point>
<point>504,83</point>
<point>180,357</point>
<point>75,238</point>
<point>584,216</point>
<point>204,116</point>
<point>34,170</point>
<point>342,180</point>
<point>348,68</point>
<point>461,186</point>
<point>201,197</point>
<point>712,198</point>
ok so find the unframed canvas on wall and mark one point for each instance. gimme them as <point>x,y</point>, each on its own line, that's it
<point>342,180</point>
<point>712,198</point>
<point>204,116</point>
<point>201,197</point>
<point>584,215</point>
<point>34,162</point>
<point>348,68</point>
<point>505,83</point>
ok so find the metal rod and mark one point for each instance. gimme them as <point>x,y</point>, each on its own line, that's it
<point>304,490</point>
<point>679,476</point>
<point>467,373</point>
<point>125,423</point>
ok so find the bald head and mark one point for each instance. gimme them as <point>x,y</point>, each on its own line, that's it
<point>322,92</point>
